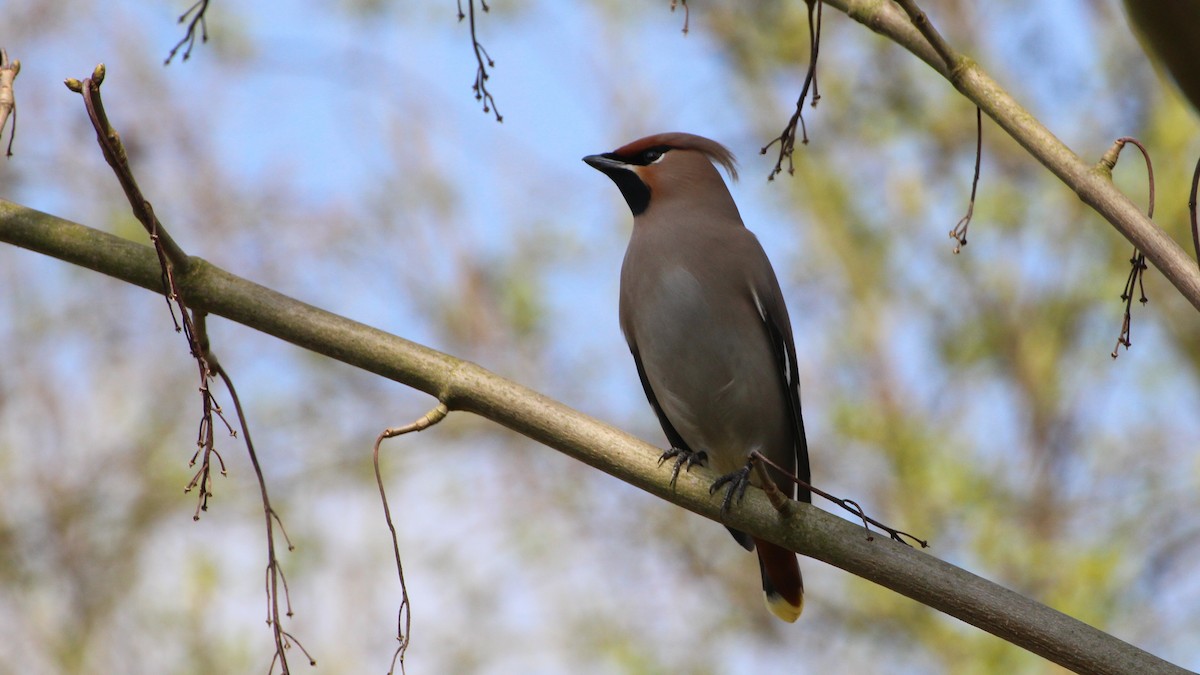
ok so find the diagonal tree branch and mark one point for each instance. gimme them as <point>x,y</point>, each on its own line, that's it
<point>1093,184</point>
<point>461,385</point>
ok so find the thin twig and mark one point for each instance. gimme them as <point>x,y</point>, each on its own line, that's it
<point>1137,260</point>
<point>198,13</point>
<point>848,504</point>
<point>481,56</point>
<point>774,494</point>
<point>959,233</point>
<point>404,616</point>
<point>1192,211</point>
<point>8,99</point>
<point>922,23</point>
<point>172,260</point>
<point>687,13</point>
<point>787,138</point>
<point>114,154</point>
<point>274,572</point>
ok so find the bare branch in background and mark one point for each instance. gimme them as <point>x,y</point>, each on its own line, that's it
<point>481,56</point>
<point>172,262</point>
<point>950,59</point>
<point>787,138</point>
<point>1137,261</point>
<point>404,616</point>
<point>687,13</point>
<point>275,577</point>
<point>197,13</point>
<point>959,233</point>
<point>8,99</point>
<point>1137,270</point>
<point>1091,186</point>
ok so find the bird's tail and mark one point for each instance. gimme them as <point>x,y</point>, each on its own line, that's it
<point>782,584</point>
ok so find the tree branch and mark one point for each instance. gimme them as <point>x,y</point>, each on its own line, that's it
<point>461,385</point>
<point>1093,184</point>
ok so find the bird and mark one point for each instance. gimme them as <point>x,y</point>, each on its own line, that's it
<point>1167,31</point>
<point>705,320</point>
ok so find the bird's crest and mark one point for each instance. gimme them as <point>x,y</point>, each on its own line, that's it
<point>716,152</point>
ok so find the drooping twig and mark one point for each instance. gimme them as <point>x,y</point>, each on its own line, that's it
<point>687,13</point>
<point>192,324</point>
<point>848,504</point>
<point>1137,261</point>
<point>283,639</point>
<point>1192,211</point>
<point>206,447</point>
<point>404,616</point>
<point>172,260</point>
<point>8,99</point>
<point>951,59</point>
<point>959,233</point>
<point>197,13</point>
<point>481,56</point>
<point>1137,269</point>
<point>787,138</point>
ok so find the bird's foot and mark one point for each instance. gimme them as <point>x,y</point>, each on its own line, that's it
<point>684,459</point>
<point>735,484</point>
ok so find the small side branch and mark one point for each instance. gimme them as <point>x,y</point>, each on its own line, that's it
<point>404,616</point>
<point>787,138</point>
<point>779,500</point>
<point>193,324</point>
<point>274,572</point>
<point>172,261</point>
<point>1192,211</point>
<point>774,494</point>
<point>8,100</point>
<point>481,57</point>
<point>1137,261</point>
<point>959,233</point>
<point>930,32</point>
<point>198,13</point>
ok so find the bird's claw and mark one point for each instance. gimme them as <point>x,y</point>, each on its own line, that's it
<point>684,459</point>
<point>735,485</point>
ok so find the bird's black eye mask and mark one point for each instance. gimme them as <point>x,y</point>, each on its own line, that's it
<point>635,191</point>
<point>648,156</point>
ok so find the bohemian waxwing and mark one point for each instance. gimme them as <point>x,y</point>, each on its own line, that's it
<point>704,317</point>
<point>1170,33</point>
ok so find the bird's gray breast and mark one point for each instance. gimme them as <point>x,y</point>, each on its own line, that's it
<point>707,355</point>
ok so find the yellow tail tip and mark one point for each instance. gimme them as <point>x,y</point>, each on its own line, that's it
<point>783,609</point>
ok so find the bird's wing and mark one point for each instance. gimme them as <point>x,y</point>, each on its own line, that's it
<point>676,440</point>
<point>673,436</point>
<point>774,315</point>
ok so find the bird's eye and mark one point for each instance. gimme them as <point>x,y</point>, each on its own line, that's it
<point>652,155</point>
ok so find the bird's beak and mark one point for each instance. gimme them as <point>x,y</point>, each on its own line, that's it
<point>605,163</point>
